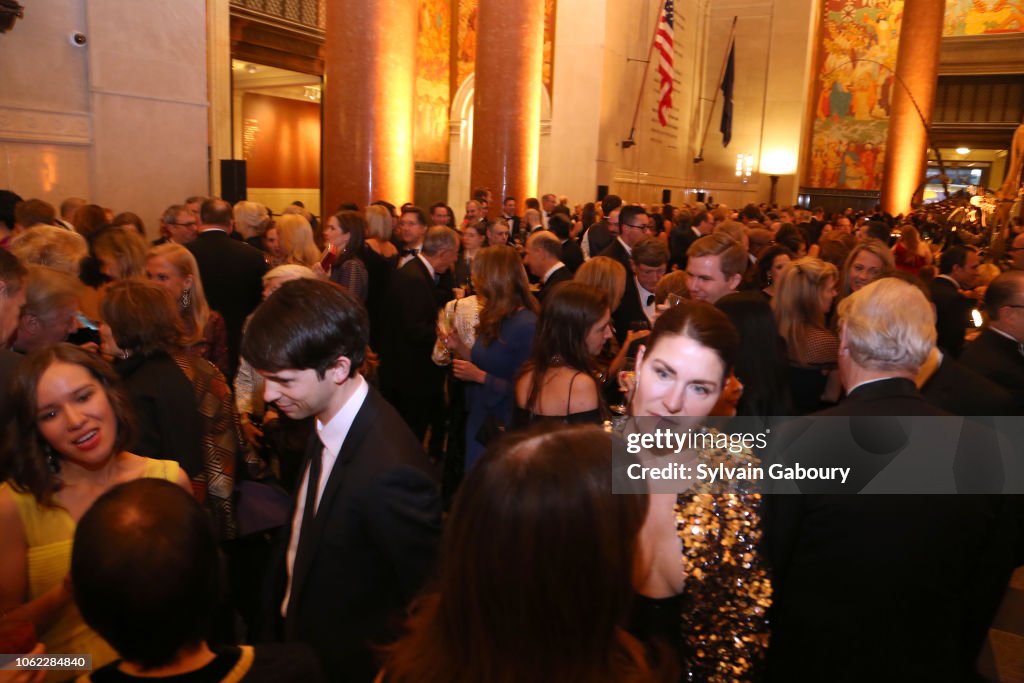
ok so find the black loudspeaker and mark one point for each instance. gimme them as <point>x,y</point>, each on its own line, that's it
<point>602,192</point>
<point>666,196</point>
<point>700,195</point>
<point>232,180</point>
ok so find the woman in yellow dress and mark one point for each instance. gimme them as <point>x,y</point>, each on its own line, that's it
<point>63,448</point>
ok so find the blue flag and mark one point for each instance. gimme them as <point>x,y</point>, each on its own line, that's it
<point>727,82</point>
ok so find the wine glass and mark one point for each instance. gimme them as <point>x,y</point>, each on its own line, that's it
<point>627,383</point>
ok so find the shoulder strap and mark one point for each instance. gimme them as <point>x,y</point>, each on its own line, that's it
<point>568,401</point>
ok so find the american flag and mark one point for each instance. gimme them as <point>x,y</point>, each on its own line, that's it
<point>663,44</point>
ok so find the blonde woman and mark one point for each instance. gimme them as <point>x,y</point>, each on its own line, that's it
<point>803,296</point>
<point>379,225</point>
<point>296,240</point>
<point>867,262</point>
<point>910,252</point>
<point>174,268</point>
<point>117,254</point>
<point>606,274</point>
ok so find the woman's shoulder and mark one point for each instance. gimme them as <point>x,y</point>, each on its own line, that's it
<point>152,468</point>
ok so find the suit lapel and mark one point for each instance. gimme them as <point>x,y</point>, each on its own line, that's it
<point>306,551</point>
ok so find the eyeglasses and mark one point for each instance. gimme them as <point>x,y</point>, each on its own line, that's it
<point>638,227</point>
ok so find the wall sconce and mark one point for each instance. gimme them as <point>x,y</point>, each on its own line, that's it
<point>312,93</point>
<point>744,167</point>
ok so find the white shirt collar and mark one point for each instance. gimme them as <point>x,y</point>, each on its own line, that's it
<point>1005,334</point>
<point>948,277</point>
<point>629,249</point>
<point>644,294</point>
<point>332,435</point>
<point>552,269</point>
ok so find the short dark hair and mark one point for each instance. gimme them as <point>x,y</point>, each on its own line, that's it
<point>146,570</point>
<point>560,224</point>
<point>418,212</point>
<point>387,205</point>
<point>879,230</point>
<point>610,203</point>
<point>307,324</point>
<point>630,212</point>
<point>8,200</point>
<point>480,194</point>
<point>215,212</point>
<point>1002,291</point>
<point>508,199</point>
<point>954,256</point>
<point>33,212</point>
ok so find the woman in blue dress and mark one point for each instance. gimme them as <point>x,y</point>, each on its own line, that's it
<point>504,337</point>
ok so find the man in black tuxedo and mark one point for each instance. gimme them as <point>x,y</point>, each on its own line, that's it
<point>633,227</point>
<point>952,386</point>
<point>508,212</point>
<point>893,587</point>
<point>561,226</point>
<point>543,260</point>
<point>232,271</point>
<point>648,262</point>
<point>409,378</point>
<point>366,522</point>
<point>599,235</point>
<point>998,352</point>
<point>958,271</point>
<point>412,229</point>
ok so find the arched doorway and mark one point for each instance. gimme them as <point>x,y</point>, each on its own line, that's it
<point>460,143</point>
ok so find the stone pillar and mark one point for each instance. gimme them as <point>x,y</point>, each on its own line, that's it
<point>506,116</point>
<point>369,71</point>
<point>917,64</point>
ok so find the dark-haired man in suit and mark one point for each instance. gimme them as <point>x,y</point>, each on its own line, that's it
<point>367,517</point>
<point>958,272</point>
<point>409,378</point>
<point>998,352</point>
<point>232,271</point>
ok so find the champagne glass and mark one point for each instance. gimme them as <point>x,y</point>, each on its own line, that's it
<point>627,383</point>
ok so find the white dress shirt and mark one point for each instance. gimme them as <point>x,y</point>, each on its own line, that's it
<point>332,435</point>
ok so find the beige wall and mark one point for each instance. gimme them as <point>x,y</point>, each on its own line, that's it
<point>121,121</point>
<point>594,80</point>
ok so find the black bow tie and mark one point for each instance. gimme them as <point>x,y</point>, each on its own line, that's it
<point>650,299</point>
<point>409,252</point>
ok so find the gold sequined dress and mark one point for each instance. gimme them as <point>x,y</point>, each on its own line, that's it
<point>728,590</point>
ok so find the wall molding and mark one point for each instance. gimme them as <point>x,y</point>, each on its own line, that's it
<point>982,55</point>
<point>39,125</point>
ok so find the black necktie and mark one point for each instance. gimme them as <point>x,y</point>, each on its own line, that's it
<point>409,252</point>
<point>312,488</point>
<point>650,299</point>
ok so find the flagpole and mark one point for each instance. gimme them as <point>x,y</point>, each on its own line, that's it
<point>629,142</point>
<point>721,76</point>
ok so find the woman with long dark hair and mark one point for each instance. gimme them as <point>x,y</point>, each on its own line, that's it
<point>558,382</point>
<point>345,234</point>
<point>535,572</point>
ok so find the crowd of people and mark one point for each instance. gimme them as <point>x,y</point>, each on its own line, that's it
<point>386,440</point>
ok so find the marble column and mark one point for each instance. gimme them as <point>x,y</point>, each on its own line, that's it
<point>370,66</point>
<point>917,63</point>
<point>506,116</point>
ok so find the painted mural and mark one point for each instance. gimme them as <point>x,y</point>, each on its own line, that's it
<point>852,95</point>
<point>433,92</point>
<point>980,17</point>
<point>465,41</point>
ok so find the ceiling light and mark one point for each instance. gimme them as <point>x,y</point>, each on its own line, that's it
<point>250,68</point>
<point>963,150</point>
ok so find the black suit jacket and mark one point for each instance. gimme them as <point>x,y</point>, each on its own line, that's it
<point>411,329</point>
<point>373,543</point>
<point>232,273</point>
<point>598,236</point>
<point>572,255</point>
<point>957,389</point>
<point>560,275</point>
<point>616,251</point>
<point>953,315</point>
<point>884,587</point>
<point>630,312</point>
<point>998,358</point>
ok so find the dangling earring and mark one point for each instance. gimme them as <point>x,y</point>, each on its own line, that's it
<point>186,299</point>
<point>769,277</point>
